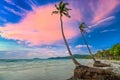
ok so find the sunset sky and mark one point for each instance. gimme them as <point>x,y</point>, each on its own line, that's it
<point>28,30</point>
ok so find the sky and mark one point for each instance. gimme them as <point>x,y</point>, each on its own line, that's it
<point>28,30</point>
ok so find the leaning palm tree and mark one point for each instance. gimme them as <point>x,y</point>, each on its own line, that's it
<point>96,63</point>
<point>62,9</point>
<point>82,30</point>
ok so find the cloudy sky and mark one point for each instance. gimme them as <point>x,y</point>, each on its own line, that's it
<point>28,30</point>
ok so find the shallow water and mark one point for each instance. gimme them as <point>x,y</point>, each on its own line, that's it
<point>38,69</point>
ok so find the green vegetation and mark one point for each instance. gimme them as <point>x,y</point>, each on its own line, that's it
<point>112,53</point>
<point>115,50</point>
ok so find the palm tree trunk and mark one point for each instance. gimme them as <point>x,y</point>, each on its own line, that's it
<point>65,41</point>
<point>88,47</point>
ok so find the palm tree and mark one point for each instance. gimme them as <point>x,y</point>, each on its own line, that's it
<point>96,63</point>
<point>82,30</point>
<point>61,9</point>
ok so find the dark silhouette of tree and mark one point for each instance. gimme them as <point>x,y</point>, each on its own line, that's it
<point>62,9</point>
<point>96,63</point>
<point>82,30</point>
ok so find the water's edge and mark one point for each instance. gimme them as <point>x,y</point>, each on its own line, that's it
<point>41,69</point>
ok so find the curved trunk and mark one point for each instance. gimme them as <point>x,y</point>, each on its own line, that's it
<point>69,51</point>
<point>88,46</point>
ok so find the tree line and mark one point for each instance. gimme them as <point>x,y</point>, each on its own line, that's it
<point>112,53</point>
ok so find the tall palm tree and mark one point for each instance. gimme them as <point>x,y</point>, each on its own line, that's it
<point>82,30</point>
<point>96,63</point>
<point>62,9</point>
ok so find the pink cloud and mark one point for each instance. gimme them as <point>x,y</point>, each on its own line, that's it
<point>37,28</point>
<point>40,27</point>
<point>93,12</point>
<point>104,9</point>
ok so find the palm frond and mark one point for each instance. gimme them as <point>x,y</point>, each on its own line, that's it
<point>67,9</point>
<point>62,8</point>
<point>56,7</point>
<point>82,27</point>
<point>55,12</point>
<point>83,31</point>
<point>64,5</point>
<point>60,4</point>
<point>66,14</point>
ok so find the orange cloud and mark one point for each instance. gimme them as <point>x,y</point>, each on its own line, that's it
<point>37,28</point>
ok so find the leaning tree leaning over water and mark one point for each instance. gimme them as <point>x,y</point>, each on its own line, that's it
<point>62,10</point>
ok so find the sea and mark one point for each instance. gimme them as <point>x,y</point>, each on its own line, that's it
<point>36,69</point>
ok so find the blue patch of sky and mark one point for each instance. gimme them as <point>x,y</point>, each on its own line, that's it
<point>6,14</point>
<point>23,4</point>
<point>43,2</point>
<point>7,44</point>
<point>102,40</point>
<point>11,17</point>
